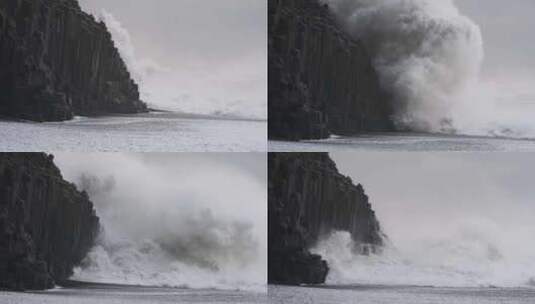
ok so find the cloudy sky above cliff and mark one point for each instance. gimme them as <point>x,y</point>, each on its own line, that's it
<point>507,28</point>
<point>200,55</point>
<point>418,194</point>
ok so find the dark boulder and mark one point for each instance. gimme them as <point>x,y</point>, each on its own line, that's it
<point>46,225</point>
<point>296,266</point>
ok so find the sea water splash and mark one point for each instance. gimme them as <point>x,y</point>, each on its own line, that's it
<point>429,56</point>
<point>123,43</point>
<point>180,226</point>
<point>470,258</point>
<point>163,89</point>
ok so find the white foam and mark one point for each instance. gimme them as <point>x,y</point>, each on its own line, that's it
<point>173,225</point>
<point>429,55</point>
<point>468,259</point>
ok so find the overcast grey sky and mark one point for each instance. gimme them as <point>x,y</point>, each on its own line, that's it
<point>418,194</point>
<point>211,48</point>
<point>507,28</point>
<point>218,31</point>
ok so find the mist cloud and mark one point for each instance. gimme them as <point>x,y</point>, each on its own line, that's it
<point>179,224</point>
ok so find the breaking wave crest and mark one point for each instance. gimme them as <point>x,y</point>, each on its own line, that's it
<point>180,226</point>
<point>429,56</point>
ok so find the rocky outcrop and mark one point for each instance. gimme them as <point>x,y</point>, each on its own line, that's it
<point>321,81</point>
<point>308,199</point>
<point>57,61</point>
<point>46,225</point>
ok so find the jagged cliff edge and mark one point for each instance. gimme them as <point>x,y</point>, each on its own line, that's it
<point>47,226</point>
<point>321,81</point>
<point>307,200</point>
<point>57,61</point>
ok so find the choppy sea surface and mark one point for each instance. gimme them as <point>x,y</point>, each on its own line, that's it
<point>151,132</point>
<point>398,295</point>
<point>405,142</point>
<point>120,294</point>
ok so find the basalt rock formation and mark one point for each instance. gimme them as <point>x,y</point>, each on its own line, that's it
<point>321,81</point>
<point>308,199</point>
<point>57,61</point>
<point>46,225</point>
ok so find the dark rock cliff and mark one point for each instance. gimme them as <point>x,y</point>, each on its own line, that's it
<point>57,61</point>
<point>308,199</point>
<point>46,225</point>
<point>321,81</point>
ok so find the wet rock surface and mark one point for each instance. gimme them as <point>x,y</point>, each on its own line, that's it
<point>308,199</point>
<point>46,225</point>
<point>321,82</point>
<point>57,61</point>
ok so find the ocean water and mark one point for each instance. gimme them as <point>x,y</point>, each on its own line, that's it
<point>406,142</point>
<point>375,294</point>
<point>151,132</point>
<point>120,294</point>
